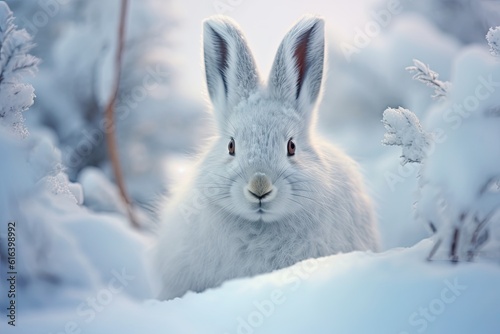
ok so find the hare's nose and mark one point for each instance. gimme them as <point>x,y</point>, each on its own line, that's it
<point>260,186</point>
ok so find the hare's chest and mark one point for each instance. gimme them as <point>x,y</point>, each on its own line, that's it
<point>261,249</point>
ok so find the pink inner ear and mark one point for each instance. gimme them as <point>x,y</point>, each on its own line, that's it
<point>301,58</point>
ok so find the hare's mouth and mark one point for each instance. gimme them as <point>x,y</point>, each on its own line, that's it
<point>261,209</point>
<point>262,212</point>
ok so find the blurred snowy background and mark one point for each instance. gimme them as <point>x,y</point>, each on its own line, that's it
<point>82,267</point>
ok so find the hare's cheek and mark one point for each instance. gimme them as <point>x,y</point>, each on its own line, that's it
<point>290,198</point>
<point>236,195</point>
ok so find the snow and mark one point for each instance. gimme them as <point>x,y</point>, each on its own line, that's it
<point>100,194</point>
<point>393,292</point>
<point>81,267</point>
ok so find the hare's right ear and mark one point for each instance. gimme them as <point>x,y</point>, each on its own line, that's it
<point>229,65</point>
<point>297,71</point>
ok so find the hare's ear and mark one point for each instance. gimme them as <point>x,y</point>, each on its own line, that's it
<point>298,67</point>
<point>229,65</point>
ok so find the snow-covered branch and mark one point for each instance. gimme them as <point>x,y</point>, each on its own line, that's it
<point>423,73</point>
<point>493,38</point>
<point>404,129</point>
<point>15,97</point>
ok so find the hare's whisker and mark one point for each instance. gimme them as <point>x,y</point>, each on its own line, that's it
<point>306,197</point>
<point>224,177</point>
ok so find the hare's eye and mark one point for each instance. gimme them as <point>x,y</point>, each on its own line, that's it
<point>231,146</point>
<point>291,147</point>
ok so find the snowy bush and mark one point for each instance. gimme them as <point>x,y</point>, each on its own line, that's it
<point>30,170</point>
<point>458,197</point>
<point>433,30</point>
<point>15,97</point>
<point>493,38</point>
<point>48,242</point>
<point>43,251</point>
<point>375,78</point>
<point>466,20</point>
<point>59,245</point>
<point>82,71</point>
<point>44,20</point>
<point>153,119</point>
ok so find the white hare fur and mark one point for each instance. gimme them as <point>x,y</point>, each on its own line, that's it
<point>262,209</point>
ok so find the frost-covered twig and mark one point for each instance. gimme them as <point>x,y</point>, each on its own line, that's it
<point>110,117</point>
<point>463,237</point>
<point>404,129</point>
<point>15,97</point>
<point>493,38</point>
<point>479,236</point>
<point>424,74</point>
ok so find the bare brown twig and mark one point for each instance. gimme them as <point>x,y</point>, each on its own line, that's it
<point>110,119</point>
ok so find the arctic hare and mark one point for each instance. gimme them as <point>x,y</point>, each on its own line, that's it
<point>268,192</point>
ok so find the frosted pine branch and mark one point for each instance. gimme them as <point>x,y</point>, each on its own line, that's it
<point>493,38</point>
<point>15,97</point>
<point>423,73</point>
<point>404,129</point>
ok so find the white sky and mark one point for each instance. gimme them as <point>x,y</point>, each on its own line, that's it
<point>264,22</point>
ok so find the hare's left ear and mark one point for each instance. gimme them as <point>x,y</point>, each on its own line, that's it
<point>229,65</point>
<point>298,67</point>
